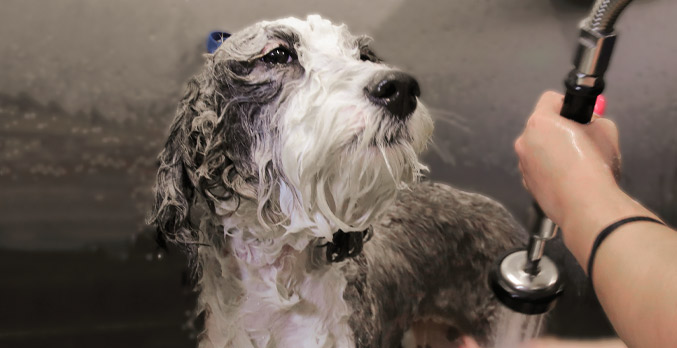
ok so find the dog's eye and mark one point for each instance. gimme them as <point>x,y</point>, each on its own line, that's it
<point>367,55</point>
<point>279,55</point>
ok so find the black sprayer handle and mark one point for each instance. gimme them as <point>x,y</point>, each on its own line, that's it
<point>579,104</point>
<point>579,101</point>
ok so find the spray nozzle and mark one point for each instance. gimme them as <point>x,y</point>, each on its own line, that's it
<point>527,281</point>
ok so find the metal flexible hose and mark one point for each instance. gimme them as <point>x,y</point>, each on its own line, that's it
<point>604,15</point>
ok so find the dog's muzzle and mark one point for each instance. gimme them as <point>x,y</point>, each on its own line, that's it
<point>395,91</point>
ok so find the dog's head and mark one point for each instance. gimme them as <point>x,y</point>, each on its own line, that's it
<point>299,118</point>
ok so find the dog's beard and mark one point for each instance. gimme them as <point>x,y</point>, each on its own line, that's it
<point>349,171</point>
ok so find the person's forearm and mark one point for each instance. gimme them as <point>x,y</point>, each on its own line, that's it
<point>635,279</point>
<point>635,273</point>
<point>569,169</point>
<point>594,207</point>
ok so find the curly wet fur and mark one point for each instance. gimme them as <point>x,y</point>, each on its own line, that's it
<point>429,260</point>
<point>269,170</point>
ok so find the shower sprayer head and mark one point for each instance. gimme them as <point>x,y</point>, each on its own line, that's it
<point>523,290</point>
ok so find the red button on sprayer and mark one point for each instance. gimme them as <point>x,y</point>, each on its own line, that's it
<point>600,105</point>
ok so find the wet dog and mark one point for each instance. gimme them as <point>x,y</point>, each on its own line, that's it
<point>291,177</point>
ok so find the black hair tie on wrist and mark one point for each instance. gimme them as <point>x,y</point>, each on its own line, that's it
<point>607,231</point>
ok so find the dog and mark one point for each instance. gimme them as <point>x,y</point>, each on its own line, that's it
<point>291,178</point>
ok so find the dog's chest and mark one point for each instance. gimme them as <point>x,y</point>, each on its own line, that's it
<point>292,301</point>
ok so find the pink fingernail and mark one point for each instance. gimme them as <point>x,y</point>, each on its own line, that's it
<point>600,105</point>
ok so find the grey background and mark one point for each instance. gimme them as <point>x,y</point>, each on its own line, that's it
<point>87,90</point>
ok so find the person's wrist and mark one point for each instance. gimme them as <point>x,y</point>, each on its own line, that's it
<point>582,188</point>
<point>597,206</point>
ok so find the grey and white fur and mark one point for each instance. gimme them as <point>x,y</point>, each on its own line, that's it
<point>291,177</point>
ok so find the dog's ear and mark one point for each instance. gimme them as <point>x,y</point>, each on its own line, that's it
<point>207,161</point>
<point>203,163</point>
<point>174,189</point>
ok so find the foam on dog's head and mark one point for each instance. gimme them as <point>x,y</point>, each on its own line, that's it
<point>298,136</point>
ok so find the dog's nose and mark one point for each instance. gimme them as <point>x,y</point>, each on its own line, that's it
<point>396,91</point>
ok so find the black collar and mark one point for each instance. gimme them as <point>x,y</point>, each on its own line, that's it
<point>347,244</point>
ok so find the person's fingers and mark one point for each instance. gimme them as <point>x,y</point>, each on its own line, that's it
<point>549,102</point>
<point>519,149</point>
<point>607,131</point>
<point>519,145</point>
<point>603,123</point>
<point>600,105</point>
<point>468,342</point>
<point>556,343</point>
<point>608,128</point>
<point>604,134</point>
<point>524,180</point>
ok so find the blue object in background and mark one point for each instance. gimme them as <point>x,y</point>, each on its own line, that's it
<point>215,39</point>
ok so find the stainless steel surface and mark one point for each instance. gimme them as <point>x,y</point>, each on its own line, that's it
<point>513,271</point>
<point>593,48</point>
<point>548,230</point>
<point>596,40</point>
<point>585,80</point>
<point>536,246</point>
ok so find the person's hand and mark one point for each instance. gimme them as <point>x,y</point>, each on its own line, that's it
<point>556,343</point>
<point>562,161</point>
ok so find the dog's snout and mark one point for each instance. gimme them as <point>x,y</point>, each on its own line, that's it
<point>396,91</point>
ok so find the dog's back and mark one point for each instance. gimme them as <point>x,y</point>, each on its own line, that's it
<point>428,261</point>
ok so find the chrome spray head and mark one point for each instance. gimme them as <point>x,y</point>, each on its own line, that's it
<point>526,281</point>
<point>522,291</point>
